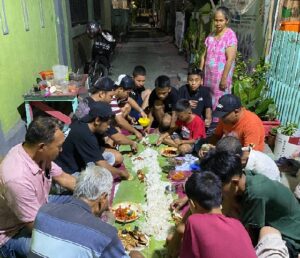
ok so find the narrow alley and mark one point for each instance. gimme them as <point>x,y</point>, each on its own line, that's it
<point>152,49</point>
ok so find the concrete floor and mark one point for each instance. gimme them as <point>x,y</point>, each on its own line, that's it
<point>152,49</point>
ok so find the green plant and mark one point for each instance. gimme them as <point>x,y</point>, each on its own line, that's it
<point>274,130</point>
<point>250,85</point>
<point>289,129</point>
<point>194,41</point>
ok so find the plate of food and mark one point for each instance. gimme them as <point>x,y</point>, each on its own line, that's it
<point>169,152</point>
<point>133,239</point>
<point>179,175</point>
<point>126,212</point>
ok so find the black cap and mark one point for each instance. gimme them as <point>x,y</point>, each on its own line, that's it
<point>125,81</point>
<point>98,109</point>
<point>227,104</point>
<point>102,84</point>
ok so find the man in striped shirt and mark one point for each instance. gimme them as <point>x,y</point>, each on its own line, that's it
<point>74,229</point>
<point>122,104</point>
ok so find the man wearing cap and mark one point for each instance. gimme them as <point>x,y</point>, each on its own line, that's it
<point>103,90</point>
<point>121,104</point>
<point>82,146</point>
<point>236,121</point>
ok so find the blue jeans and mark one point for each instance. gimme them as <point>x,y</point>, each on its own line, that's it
<point>19,245</point>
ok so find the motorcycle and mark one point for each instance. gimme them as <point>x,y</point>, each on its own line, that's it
<point>102,51</point>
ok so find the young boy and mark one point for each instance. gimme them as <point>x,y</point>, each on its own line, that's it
<point>189,126</point>
<point>121,104</point>
<point>258,202</point>
<point>162,101</point>
<point>198,95</point>
<point>139,93</point>
<point>208,233</point>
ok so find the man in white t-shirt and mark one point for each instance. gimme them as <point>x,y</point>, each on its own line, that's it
<point>256,161</point>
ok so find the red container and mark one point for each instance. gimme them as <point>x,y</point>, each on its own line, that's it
<point>46,74</point>
<point>268,125</point>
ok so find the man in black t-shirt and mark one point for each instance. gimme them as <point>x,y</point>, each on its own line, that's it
<point>82,146</point>
<point>103,90</point>
<point>162,101</point>
<point>198,95</point>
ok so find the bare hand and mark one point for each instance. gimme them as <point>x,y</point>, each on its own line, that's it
<point>193,103</point>
<point>223,84</point>
<point>205,148</point>
<point>143,114</point>
<point>173,245</point>
<point>138,135</point>
<point>207,122</point>
<point>124,174</point>
<point>178,141</point>
<point>159,141</point>
<point>134,147</point>
<point>147,129</point>
<point>132,120</point>
<point>201,154</point>
<point>179,203</point>
<point>136,254</point>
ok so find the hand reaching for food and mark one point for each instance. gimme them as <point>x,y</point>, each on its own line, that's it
<point>205,148</point>
<point>179,203</point>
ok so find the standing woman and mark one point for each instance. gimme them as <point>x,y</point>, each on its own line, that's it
<point>219,55</point>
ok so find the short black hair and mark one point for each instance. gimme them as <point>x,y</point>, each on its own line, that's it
<point>162,81</point>
<point>42,130</point>
<point>101,84</point>
<point>224,164</point>
<point>92,88</point>
<point>195,71</point>
<point>230,144</point>
<point>139,70</point>
<point>225,11</point>
<point>182,105</point>
<point>205,188</point>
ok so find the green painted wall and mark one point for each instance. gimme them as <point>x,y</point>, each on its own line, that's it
<point>23,54</point>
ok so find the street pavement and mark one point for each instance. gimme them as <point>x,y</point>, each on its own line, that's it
<point>152,49</point>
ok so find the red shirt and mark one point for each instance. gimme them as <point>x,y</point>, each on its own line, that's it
<point>193,130</point>
<point>215,236</point>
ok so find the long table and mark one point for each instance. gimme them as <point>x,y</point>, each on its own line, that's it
<point>134,191</point>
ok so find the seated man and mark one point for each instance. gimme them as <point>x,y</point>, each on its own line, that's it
<point>208,233</point>
<point>82,143</point>
<point>55,224</point>
<point>198,95</point>
<point>239,122</point>
<point>103,90</point>
<point>252,160</point>
<point>121,104</point>
<point>26,174</point>
<point>257,200</point>
<point>189,126</point>
<point>139,93</point>
<point>162,103</point>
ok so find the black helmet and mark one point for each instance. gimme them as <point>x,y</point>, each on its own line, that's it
<point>93,28</point>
